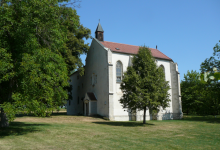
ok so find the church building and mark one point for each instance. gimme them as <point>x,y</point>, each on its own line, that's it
<point>98,91</point>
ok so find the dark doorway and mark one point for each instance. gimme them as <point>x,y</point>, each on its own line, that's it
<point>87,109</point>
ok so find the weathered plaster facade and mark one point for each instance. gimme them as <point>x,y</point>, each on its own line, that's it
<point>100,79</point>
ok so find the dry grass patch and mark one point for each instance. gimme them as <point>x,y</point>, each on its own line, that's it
<point>78,132</point>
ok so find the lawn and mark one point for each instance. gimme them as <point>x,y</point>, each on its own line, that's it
<point>78,132</point>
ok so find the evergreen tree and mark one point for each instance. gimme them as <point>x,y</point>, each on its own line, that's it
<point>143,85</point>
<point>40,42</point>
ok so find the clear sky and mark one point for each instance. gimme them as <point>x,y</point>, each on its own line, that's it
<point>184,30</point>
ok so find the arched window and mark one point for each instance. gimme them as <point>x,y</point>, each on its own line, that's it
<point>161,66</point>
<point>118,72</point>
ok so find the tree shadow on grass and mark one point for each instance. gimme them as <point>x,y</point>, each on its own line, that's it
<point>59,114</point>
<point>20,128</point>
<point>125,124</point>
<point>208,119</point>
<point>23,115</point>
<point>53,114</point>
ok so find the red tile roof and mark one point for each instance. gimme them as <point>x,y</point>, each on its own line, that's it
<point>132,49</point>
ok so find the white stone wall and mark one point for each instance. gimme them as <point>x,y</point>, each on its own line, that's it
<point>73,108</point>
<point>176,99</point>
<point>96,66</point>
<point>93,107</point>
<point>168,110</point>
<point>121,114</point>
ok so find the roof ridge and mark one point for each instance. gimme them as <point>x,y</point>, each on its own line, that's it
<point>129,44</point>
<point>161,52</point>
<point>122,43</point>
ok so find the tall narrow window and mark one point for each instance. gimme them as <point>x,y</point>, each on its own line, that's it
<point>95,79</point>
<point>118,71</point>
<point>161,66</point>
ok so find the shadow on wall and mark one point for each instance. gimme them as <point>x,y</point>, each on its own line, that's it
<point>19,128</point>
<point>171,116</point>
<point>164,116</point>
<point>125,124</point>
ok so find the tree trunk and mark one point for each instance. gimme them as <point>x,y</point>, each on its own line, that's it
<point>4,119</point>
<point>144,119</point>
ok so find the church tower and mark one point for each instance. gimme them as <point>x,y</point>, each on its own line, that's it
<point>99,33</point>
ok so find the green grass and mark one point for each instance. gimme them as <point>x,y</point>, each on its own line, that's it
<point>79,132</point>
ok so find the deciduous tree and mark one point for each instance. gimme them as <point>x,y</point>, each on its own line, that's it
<point>143,85</point>
<point>40,42</point>
<point>190,92</point>
<point>201,92</point>
<point>210,69</point>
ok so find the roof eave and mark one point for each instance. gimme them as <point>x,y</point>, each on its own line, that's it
<point>136,54</point>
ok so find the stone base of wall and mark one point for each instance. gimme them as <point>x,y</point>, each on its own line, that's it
<point>166,116</point>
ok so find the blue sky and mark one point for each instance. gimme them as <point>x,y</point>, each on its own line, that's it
<point>184,30</point>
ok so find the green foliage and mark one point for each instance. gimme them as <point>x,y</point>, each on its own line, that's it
<point>40,43</point>
<point>213,62</point>
<point>210,69</point>
<point>199,96</point>
<point>201,92</point>
<point>190,91</point>
<point>6,65</point>
<point>74,45</point>
<point>143,85</point>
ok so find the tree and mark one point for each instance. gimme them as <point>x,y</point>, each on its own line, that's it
<point>201,92</point>
<point>213,62</point>
<point>74,45</point>
<point>40,42</point>
<point>190,91</point>
<point>143,85</point>
<point>211,66</point>
<point>210,75</point>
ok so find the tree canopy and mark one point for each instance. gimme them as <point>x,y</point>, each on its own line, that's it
<point>144,85</point>
<point>40,43</point>
<point>201,92</point>
<point>210,77</point>
<point>213,61</point>
<point>190,91</point>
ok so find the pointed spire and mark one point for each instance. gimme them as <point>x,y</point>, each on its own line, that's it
<point>99,28</point>
<point>99,33</point>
